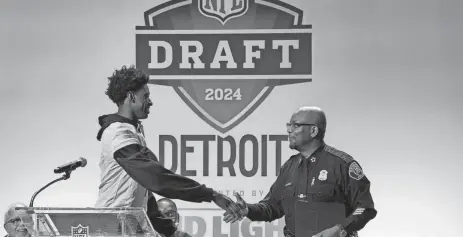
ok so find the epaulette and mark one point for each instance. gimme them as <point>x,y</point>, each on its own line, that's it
<point>340,154</point>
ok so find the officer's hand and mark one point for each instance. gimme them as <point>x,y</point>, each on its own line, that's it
<point>331,232</point>
<point>243,210</point>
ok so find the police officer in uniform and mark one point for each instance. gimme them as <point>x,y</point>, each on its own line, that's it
<point>319,178</point>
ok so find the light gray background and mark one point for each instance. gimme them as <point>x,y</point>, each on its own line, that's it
<point>387,73</point>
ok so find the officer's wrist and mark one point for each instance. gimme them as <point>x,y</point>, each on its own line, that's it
<point>246,210</point>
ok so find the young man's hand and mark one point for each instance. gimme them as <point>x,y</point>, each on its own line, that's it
<point>226,204</point>
<point>243,207</point>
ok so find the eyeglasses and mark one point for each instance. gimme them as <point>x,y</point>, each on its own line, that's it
<point>171,214</point>
<point>292,126</point>
<point>16,221</point>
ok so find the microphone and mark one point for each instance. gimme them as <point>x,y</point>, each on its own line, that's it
<point>81,162</point>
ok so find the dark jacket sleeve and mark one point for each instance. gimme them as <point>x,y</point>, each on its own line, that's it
<point>270,208</point>
<point>143,166</point>
<point>357,191</point>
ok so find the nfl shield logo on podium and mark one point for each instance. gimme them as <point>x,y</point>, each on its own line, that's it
<point>79,231</point>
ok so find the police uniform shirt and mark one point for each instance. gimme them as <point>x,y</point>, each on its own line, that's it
<point>328,176</point>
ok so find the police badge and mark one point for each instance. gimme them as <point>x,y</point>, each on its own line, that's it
<point>323,175</point>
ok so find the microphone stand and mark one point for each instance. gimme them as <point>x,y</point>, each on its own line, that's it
<point>65,176</point>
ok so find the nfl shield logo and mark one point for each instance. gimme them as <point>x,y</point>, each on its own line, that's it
<point>223,10</point>
<point>223,72</point>
<point>79,231</point>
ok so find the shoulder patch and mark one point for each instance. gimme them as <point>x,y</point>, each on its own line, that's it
<point>355,171</point>
<point>340,154</point>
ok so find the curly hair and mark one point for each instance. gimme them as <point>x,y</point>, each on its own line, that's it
<point>123,81</point>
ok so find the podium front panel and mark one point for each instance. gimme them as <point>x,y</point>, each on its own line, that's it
<point>90,222</point>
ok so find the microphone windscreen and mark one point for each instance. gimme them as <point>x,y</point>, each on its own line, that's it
<point>83,161</point>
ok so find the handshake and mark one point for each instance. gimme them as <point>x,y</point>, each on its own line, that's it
<point>234,211</point>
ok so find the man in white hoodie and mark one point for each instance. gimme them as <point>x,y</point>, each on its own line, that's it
<point>130,171</point>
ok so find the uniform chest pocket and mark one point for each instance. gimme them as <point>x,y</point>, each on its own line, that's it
<point>288,191</point>
<point>325,192</point>
<point>325,188</point>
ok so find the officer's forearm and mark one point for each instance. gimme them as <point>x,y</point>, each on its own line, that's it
<point>264,211</point>
<point>358,219</point>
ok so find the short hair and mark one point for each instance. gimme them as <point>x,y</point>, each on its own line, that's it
<point>124,80</point>
<point>320,121</point>
<point>168,201</point>
<point>11,209</point>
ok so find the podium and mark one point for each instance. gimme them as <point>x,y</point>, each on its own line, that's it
<point>87,222</point>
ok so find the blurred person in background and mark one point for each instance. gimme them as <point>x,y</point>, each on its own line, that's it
<point>168,209</point>
<point>17,223</point>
